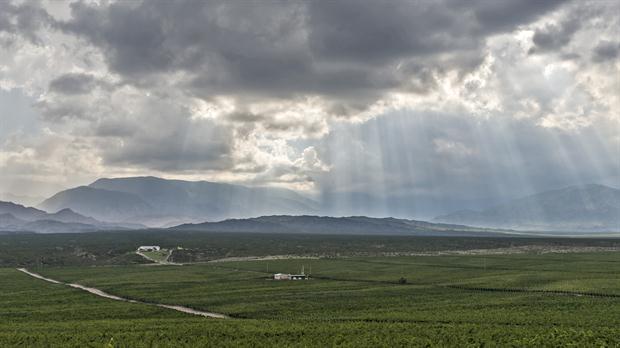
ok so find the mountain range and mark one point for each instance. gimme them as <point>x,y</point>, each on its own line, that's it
<point>21,199</point>
<point>576,208</point>
<point>149,201</point>
<point>16,217</point>
<point>159,202</point>
<point>357,225</point>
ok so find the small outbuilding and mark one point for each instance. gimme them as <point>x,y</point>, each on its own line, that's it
<point>149,248</point>
<point>281,276</point>
<point>288,276</point>
<point>298,276</point>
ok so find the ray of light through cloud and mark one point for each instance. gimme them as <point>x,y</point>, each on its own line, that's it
<point>443,107</point>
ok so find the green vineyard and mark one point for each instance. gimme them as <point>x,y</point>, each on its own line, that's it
<point>503,300</point>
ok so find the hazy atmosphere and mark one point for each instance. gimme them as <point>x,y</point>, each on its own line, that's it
<point>314,173</point>
<point>445,106</point>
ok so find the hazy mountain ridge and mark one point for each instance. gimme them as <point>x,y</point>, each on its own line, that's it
<point>105,205</point>
<point>576,208</point>
<point>357,225</point>
<point>9,222</point>
<point>163,203</point>
<point>157,202</point>
<point>21,212</point>
<point>21,199</point>
<point>16,217</point>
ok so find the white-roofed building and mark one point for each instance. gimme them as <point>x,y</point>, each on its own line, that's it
<point>149,248</point>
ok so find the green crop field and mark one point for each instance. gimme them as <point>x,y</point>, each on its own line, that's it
<point>528,299</point>
<point>159,256</point>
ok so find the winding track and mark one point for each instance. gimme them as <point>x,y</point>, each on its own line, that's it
<point>160,262</point>
<point>103,294</point>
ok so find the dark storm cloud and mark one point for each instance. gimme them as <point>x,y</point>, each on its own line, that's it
<point>270,122</point>
<point>62,112</point>
<point>174,144</point>
<point>154,37</point>
<point>554,37</point>
<point>23,19</point>
<point>73,84</point>
<point>496,16</point>
<point>347,52</point>
<point>367,31</point>
<point>159,134</point>
<point>605,51</point>
<point>111,127</point>
<point>277,75</point>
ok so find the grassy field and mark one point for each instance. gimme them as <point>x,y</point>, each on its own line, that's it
<point>502,300</point>
<point>158,256</point>
<point>118,248</point>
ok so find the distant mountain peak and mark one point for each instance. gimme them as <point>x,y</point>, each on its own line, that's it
<point>11,204</point>
<point>15,217</point>
<point>65,211</point>
<point>157,202</point>
<point>590,207</point>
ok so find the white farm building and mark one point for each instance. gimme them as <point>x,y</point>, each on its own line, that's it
<point>286,276</point>
<point>149,248</point>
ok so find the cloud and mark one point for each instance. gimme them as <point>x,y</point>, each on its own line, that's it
<point>25,20</point>
<point>45,160</point>
<point>606,51</point>
<point>420,164</point>
<point>171,142</point>
<point>299,173</point>
<point>286,94</point>
<point>277,51</point>
<point>73,83</point>
<point>553,37</point>
<point>414,29</point>
<point>455,148</point>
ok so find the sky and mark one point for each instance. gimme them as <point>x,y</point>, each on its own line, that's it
<point>423,106</point>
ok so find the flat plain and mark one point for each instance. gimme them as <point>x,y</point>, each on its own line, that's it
<point>525,299</point>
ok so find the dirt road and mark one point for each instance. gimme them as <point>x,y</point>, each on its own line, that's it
<point>159,262</point>
<point>103,294</point>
